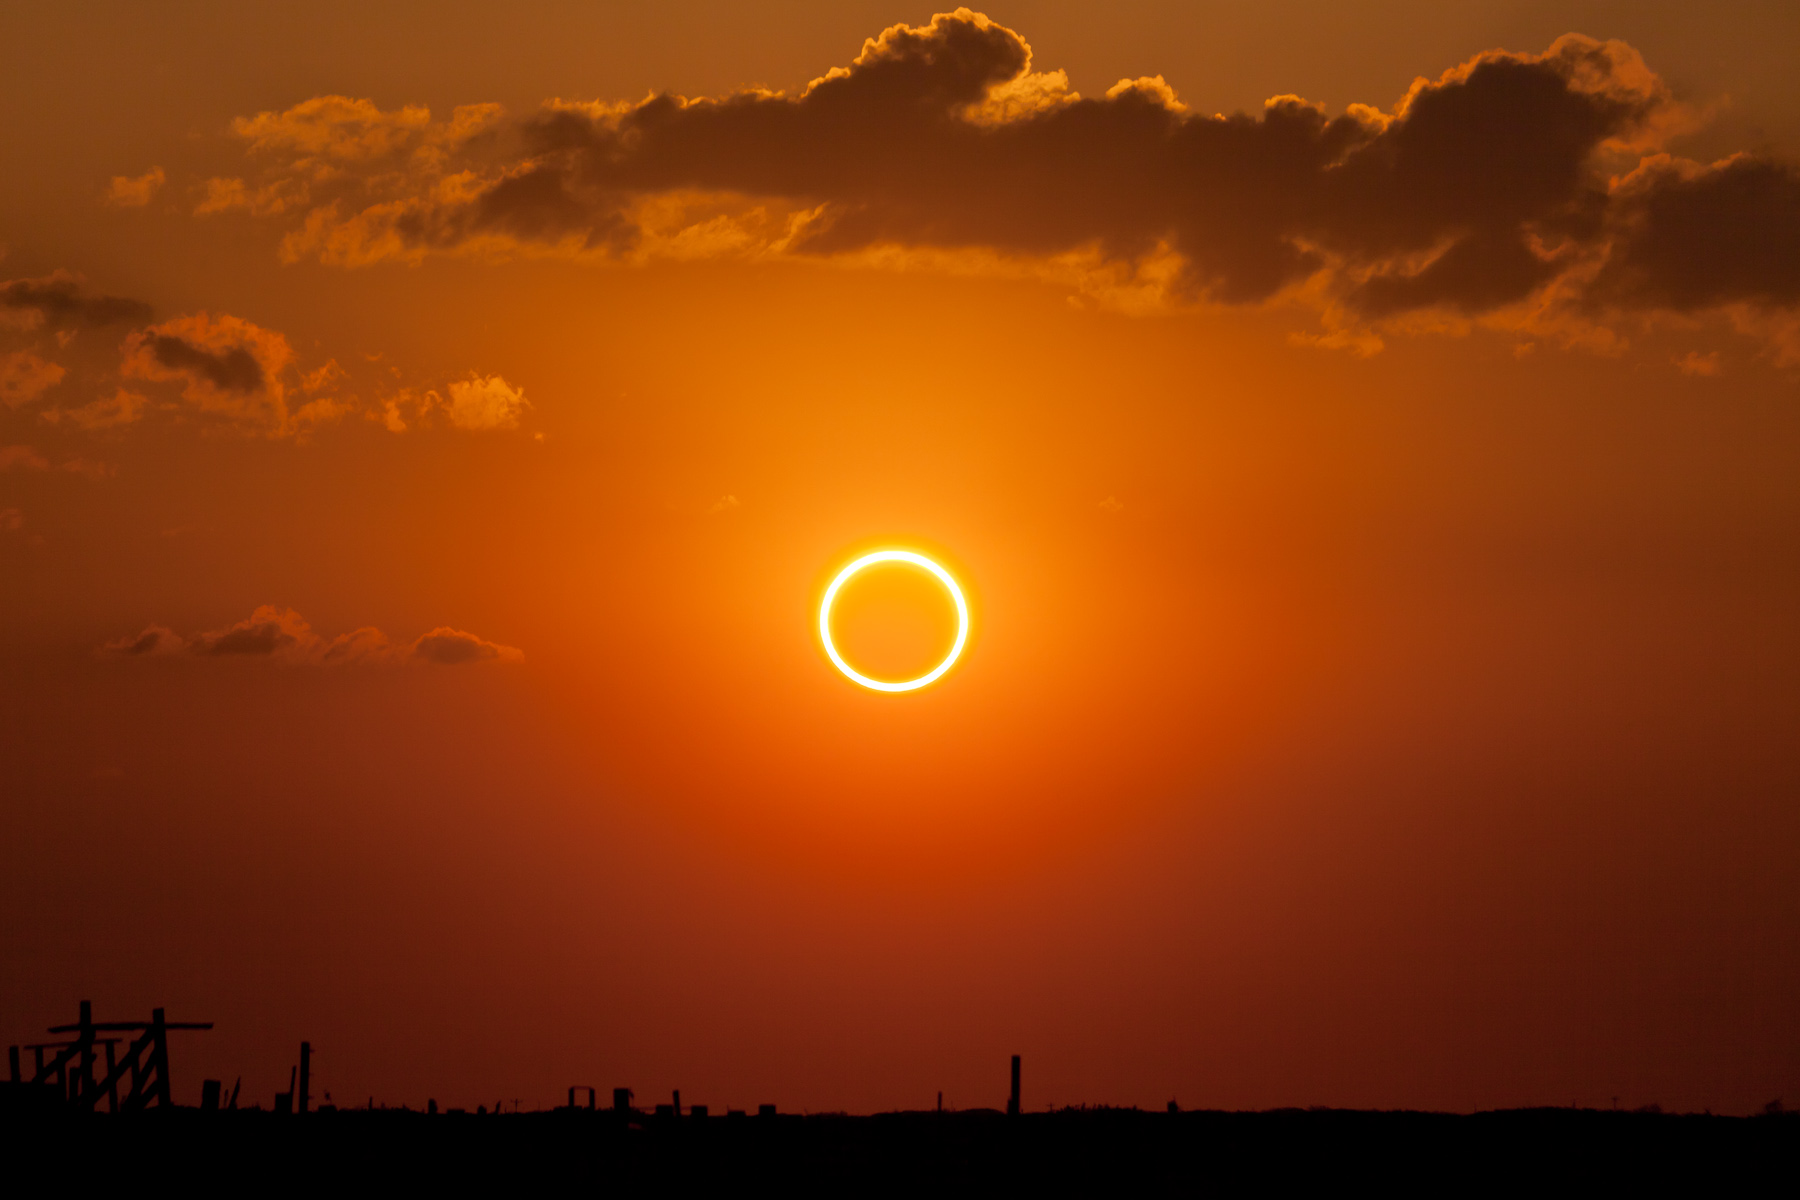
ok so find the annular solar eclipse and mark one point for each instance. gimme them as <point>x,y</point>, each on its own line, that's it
<point>917,560</point>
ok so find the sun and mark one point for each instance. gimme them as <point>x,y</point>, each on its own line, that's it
<point>917,560</point>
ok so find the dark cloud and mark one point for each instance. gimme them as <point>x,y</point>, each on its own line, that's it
<point>61,301</point>
<point>1693,238</point>
<point>234,370</point>
<point>1477,191</point>
<point>1477,168</point>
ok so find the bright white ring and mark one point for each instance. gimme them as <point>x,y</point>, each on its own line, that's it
<point>917,560</point>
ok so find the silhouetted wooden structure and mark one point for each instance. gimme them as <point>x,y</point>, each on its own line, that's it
<point>68,1066</point>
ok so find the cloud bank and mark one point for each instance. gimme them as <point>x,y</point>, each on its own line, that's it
<point>1528,189</point>
<point>283,635</point>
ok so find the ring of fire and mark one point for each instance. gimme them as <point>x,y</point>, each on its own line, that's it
<point>917,560</point>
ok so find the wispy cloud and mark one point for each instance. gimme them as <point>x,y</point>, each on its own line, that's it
<point>137,190</point>
<point>283,635</point>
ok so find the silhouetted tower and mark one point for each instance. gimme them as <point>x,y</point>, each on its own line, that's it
<point>146,1060</point>
<point>621,1100</point>
<point>304,1095</point>
<point>1012,1104</point>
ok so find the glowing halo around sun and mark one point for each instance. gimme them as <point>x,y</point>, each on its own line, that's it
<point>917,560</point>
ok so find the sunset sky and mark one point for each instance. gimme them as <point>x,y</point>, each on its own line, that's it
<point>1368,437</point>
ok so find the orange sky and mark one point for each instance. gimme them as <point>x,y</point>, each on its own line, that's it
<point>1379,526</point>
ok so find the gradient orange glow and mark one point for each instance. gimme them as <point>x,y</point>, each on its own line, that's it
<point>427,437</point>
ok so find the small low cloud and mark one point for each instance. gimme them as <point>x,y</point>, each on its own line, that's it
<point>227,355</point>
<point>478,404</point>
<point>1112,504</point>
<point>60,301</point>
<point>89,468</point>
<point>123,407</point>
<point>135,191</point>
<point>155,639</point>
<point>449,647</point>
<point>22,458</point>
<point>232,195</point>
<point>24,377</point>
<point>1696,363</point>
<point>283,635</point>
<point>26,458</point>
<point>726,504</point>
<point>228,369</point>
<point>483,402</point>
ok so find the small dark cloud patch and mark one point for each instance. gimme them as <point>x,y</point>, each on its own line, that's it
<point>232,370</point>
<point>155,639</point>
<point>63,302</point>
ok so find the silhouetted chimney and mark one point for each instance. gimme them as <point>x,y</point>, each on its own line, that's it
<point>302,1096</point>
<point>621,1100</point>
<point>678,1102</point>
<point>1012,1105</point>
<point>12,1062</point>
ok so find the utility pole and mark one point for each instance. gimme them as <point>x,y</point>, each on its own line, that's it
<point>1012,1105</point>
<point>304,1094</point>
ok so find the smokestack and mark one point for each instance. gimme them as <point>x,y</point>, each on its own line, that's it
<point>621,1100</point>
<point>304,1094</point>
<point>12,1062</point>
<point>1012,1105</point>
